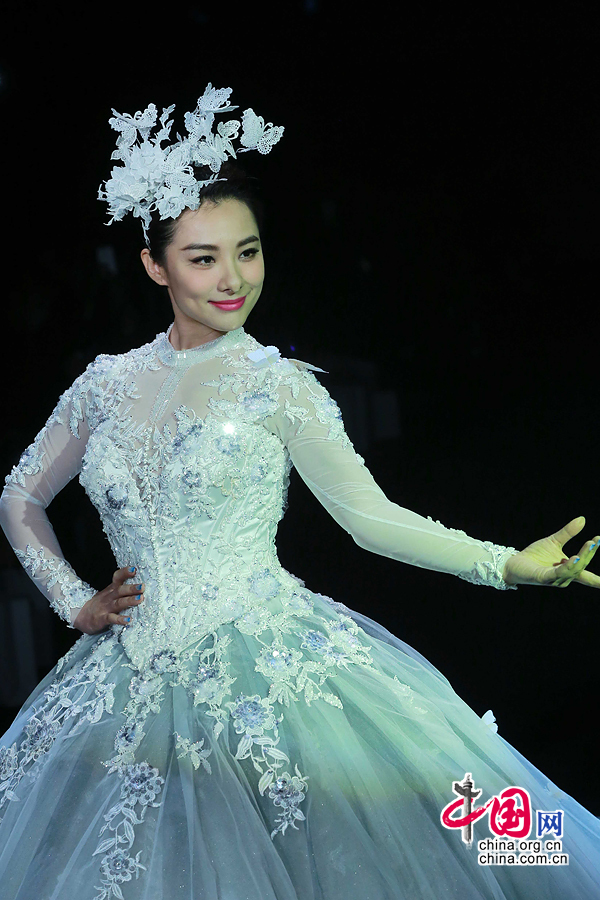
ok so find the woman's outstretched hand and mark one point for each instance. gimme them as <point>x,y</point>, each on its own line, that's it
<point>104,608</point>
<point>544,562</point>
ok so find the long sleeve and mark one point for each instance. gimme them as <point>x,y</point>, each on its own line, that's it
<point>309,423</point>
<point>46,466</point>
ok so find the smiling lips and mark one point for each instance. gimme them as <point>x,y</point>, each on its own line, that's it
<point>228,304</point>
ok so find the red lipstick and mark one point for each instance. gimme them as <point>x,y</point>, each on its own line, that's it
<point>228,304</point>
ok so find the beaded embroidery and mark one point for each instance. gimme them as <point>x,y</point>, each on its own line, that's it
<point>193,498</point>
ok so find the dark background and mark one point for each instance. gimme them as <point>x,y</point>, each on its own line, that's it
<point>431,232</point>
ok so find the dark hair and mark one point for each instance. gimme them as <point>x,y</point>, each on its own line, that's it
<point>238,186</point>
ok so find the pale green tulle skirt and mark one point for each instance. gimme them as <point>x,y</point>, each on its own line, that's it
<point>202,786</point>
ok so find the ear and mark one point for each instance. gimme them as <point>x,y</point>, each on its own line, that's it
<point>156,272</point>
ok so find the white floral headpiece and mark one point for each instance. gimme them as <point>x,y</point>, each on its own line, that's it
<point>161,178</point>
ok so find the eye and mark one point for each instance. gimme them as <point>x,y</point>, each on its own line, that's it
<point>252,250</point>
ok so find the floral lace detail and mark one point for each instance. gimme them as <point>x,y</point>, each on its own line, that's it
<point>262,400</point>
<point>85,398</point>
<point>73,591</point>
<point>61,703</point>
<point>141,785</point>
<point>490,573</point>
<point>105,384</point>
<point>337,646</point>
<point>487,574</point>
<point>193,501</point>
<point>194,750</point>
<point>252,717</point>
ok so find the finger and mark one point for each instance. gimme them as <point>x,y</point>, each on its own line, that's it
<point>121,575</point>
<point>570,530</point>
<point>588,579</point>
<point>114,619</point>
<point>564,573</point>
<point>128,602</point>
<point>589,548</point>
<point>587,553</point>
<point>574,568</point>
<point>126,590</point>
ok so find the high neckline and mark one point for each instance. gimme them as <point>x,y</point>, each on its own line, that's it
<point>184,358</point>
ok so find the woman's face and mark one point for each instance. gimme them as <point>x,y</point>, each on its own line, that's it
<point>196,276</point>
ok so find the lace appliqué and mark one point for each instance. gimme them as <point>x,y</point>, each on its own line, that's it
<point>141,785</point>
<point>252,716</point>
<point>74,592</point>
<point>490,573</point>
<point>71,402</point>
<point>197,755</point>
<point>262,400</point>
<point>61,702</point>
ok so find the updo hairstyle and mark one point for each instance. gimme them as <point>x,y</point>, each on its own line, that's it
<point>238,186</point>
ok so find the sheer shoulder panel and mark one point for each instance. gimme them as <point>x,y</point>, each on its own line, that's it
<point>309,422</point>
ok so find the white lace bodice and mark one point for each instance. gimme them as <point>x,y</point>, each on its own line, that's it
<point>186,455</point>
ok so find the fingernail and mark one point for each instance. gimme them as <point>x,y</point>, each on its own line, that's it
<point>127,618</point>
<point>577,558</point>
<point>138,587</point>
<point>132,569</point>
<point>592,547</point>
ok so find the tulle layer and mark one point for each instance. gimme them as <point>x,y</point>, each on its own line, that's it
<point>113,786</point>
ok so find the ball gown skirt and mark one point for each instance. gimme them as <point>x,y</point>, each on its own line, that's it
<point>244,738</point>
<point>333,792</point>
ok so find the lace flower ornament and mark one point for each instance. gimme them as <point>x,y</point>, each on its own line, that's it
<point>154,178</point>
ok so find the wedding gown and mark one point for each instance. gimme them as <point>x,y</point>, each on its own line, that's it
<point>244,738</point>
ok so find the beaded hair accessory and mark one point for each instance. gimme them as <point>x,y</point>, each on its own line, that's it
<point>154,178</point>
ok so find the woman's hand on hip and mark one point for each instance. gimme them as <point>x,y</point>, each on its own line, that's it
<point>105,608</point>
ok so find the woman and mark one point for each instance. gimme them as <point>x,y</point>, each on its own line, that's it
<point>220,730</point>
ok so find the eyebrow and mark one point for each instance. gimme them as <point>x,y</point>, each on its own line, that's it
<point>214,247</point>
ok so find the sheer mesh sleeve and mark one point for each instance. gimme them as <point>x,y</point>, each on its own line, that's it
<point>309,422</point>
<point>46,466</point>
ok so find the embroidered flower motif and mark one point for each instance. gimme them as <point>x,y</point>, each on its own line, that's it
<point>300,604</point>
<point>229,445</point>
<point>163,662</point>
<point>116,495</point>
<point>264,584</point>
<point>190,439</point>
<point>345,632</point>
<point>280,664</point>
<point>207,684</point>
<point>195,752</point>
<point>209,592</point>
<point>141,785</point>
<point>127,736</point>
<point>287,792</point>
<point>256,403</point>
<point>117,867</point>
<point>8,764</point>
<point>316,641</point>
<point>252,715</point>
<point>278,661</point>
<point>254,621</point>
<point>257,473</point>
<point>263,358</point>
<point>61,701</point>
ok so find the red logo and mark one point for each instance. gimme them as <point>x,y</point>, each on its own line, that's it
<point>509,812</point>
